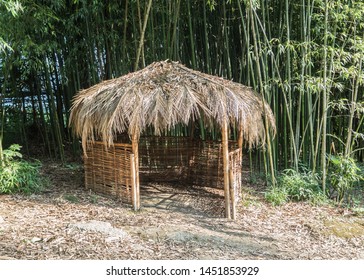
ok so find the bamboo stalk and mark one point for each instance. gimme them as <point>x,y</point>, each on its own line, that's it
<point>260,79</point>
<point>207,45</point>
<point>2,120</point>
<point>354,96</point>
<point>324,102</point>
<point>133,175</point>
<point>141,42</point>
<point>191,34</point>
<point>173,44</point>
<point>135,149</point>
<point>225,154</point>
<point>232,193</point>
<point>125,30</point>
<point>56,130</point>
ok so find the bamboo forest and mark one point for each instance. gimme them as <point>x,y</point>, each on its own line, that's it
<point>302,58</point>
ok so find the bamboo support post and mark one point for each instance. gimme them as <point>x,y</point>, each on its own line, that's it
<point>134,192</point>
<point>232,193</point>
<point>225,154</point>
<point>135,150</point>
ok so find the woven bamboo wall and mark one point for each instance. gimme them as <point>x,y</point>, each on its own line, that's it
<point>164,159</point>
<point>107,170</point>
<point>206,165</point>
<point>182,159</point>
<point>235,165</point>
<point>161,159</point>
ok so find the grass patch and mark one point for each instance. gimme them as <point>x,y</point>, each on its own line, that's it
<point>296,186</point>
<point>71,198</point>
<point>359,211</point>
<point>73,166</point>
<point>249,197</point>
<point>277,196</point>
<point>93,198</point>
<point>344,229</point>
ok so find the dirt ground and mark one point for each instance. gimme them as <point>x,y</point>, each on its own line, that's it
<point>68,222</point>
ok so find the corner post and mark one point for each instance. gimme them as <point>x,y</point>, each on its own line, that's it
<point>232,193</point>
<point>133,183</point>
<point>135,150</point>
<point>225,155</point>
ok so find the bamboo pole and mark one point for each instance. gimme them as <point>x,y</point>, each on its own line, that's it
<point>133,176</point>
<point>141,42</point>
<point>232,193</point>
<point>135,149</point>
<point>225,155</point>
<point>325,97</point>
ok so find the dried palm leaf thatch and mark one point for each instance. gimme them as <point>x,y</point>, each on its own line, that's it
<point>162,95</point>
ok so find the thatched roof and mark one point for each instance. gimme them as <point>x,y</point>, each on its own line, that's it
<point>162,95</point>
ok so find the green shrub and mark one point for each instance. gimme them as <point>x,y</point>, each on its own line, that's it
<point>343,174</point>
<point>277,196</point>
<point>18,175</point>
<point>296,186</point>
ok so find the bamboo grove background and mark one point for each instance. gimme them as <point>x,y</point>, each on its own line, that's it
<point>305,57</point>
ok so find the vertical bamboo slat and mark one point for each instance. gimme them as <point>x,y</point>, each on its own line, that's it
<point>225,155</point>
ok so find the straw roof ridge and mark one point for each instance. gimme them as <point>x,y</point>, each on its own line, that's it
<point>162,95</point>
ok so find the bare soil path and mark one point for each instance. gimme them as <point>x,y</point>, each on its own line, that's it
<point>68,222</point>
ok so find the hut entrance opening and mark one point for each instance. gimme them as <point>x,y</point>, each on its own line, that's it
<point>174,160</point>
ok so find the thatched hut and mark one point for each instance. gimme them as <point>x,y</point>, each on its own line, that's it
<point>121,122</point>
